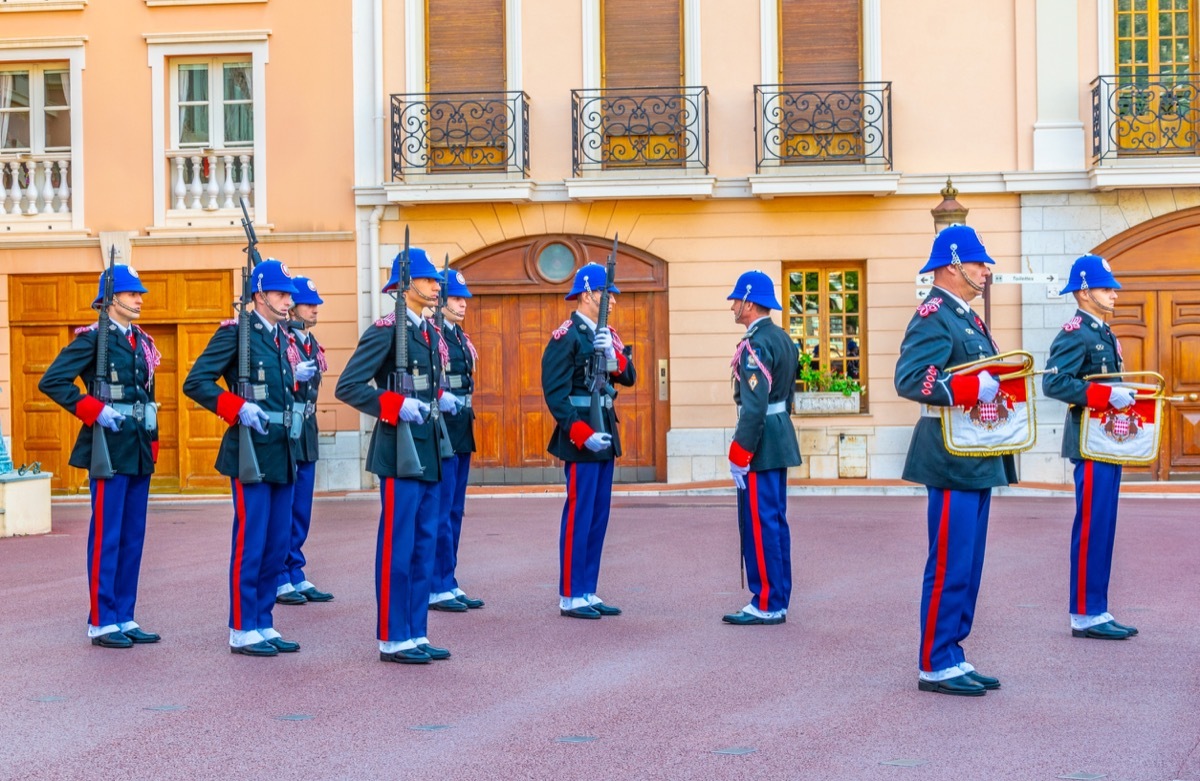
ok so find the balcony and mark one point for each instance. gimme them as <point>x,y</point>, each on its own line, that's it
<point>207,186</point>
<point>799,125</point>
<point>459,133</point>
<point>639,128</point>
<point>35,191</point>
<point>1145,116</point>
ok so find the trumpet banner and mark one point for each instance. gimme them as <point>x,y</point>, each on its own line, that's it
<point>1129,436</point>
<point>1007,424</point>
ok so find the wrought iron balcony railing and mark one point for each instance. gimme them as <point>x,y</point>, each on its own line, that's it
<point>460,132</point>
<point>1145,115</point>
<point>805,124</point>
<point>639,127</point>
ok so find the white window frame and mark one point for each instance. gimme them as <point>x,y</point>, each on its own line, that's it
<point>164,50</point>
<point>69,50</point>
<point>216,99</point>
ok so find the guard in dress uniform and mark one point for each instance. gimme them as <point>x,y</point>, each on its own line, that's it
<point>408,521</point>
<point>307,358</point>
<point>589,454</point>
<point>945,332</point>
<point>764,446</point>
<point>459,359</point>
<point>262,512</point>
<point>1086,346</point>
<point>118,525</point>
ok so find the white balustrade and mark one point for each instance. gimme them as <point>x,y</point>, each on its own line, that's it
<point>35,185</point>
<point>210,180</point>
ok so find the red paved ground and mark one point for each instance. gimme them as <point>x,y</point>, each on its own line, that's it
<point>830,695</point>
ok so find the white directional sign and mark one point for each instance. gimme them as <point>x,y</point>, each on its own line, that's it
<point>1024,279</point>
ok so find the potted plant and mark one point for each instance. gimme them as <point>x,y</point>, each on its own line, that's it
<point>825,392</point>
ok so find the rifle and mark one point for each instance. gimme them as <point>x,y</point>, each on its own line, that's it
<point>445,450</point>
<point>408,463</point>
<point>598,366</point>
<point>249,472</point>
<point>101,466</point>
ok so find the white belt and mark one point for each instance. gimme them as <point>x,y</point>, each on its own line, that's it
<point>775,408</point>
<point>930,411</point>
<point>586,401</point>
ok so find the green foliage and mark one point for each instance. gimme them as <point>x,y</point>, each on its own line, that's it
<point>818,381</point>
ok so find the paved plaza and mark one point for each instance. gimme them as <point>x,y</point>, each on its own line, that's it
<point>657,693</point>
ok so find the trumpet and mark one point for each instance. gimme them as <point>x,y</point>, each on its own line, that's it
<point>1023,369</point>
<point>1150,390</point>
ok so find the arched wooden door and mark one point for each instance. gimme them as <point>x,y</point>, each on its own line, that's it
<point>519,288</point>
<point>1158,323</point>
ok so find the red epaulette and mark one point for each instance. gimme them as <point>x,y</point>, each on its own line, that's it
<point>388,320</point>
<point>929,307</point>
<point>229,322</point>
<point>561,331</point>
<point>85,328</point>
<point>1074,324</point>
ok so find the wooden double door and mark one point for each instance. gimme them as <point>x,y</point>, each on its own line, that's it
<point>180,311</point>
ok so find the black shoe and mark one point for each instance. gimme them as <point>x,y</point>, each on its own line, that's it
<point>433,652</point>
<point>290,598</point>
<point>407,656</point>
<point>1105,631</point>
<point>579,612</point>
<point>312,594</point>
<point>742,618</point>
<point>606,610</point>
<point>1132,630</point>
<point>284,646</point>
<point>986,681</point>
<point>112,640</point>
<point>961,685</point>
<point>255,649</point>
<point>448,606</point>
<point>138,636</point>
<point>474,604</point>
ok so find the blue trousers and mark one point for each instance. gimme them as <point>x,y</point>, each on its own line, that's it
<point>766,538</point>
<point>114,546</point>
<point>958,523</point>
<point>452,500</point>
<point>1097,489</point>
<point>302,500</point>
<point>584,522</point>
<point>404,553</point>
<point>262,522</point>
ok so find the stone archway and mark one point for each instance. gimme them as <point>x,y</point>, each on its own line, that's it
<point>518,287</point>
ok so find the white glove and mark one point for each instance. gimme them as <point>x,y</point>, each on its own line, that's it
<point>989,386</point>
<point>603,340</point>
<point>252,415</point>
<point>739,474</point>
<point>598,441</point>
<point>1121,397</point>
<point>413,410</point>
<point>305,371</point>
<point>110,418</point>
<point>449,403</point>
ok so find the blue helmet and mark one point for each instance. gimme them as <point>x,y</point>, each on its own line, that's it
<point>419,267</point>
<point>125,280</point>
<point>956,243</point>
<point>1090,271</point>
<point>271,274</point>
<point>591,276</point>
<point>456,285</point>
<point>757,288</point>
<point>306,292</point>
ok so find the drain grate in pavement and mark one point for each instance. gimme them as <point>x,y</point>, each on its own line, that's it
<point>905,762</point>
<point>294,717</point>
<point>49,698</point>
<point>575,739</point>
<point>430,727</point>
<point>1081,775</point>
<point>166,708</point>
<point>736,751</point>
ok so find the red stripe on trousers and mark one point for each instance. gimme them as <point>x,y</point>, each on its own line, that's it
<point>235,575</point>
<point>385,557</point>
<point>939,580</point>
<point>1085,528</point>
<point>752,485</point>
<point>97,544</point>
<point>569,537</point>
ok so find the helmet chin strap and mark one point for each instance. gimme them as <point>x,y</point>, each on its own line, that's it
<point>267,303</point>
<point>954,261</point>
<point>1087,291</point>
<point>126,307</point>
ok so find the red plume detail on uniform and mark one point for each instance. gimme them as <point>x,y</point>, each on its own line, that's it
<point>227,323</point>
<point>84,328</point>
<point>744,348</point>
<point>322,364</point>
<point>561,331</point>
<point>470,347</point>
<point>387,320</point>
<point>929,307</point>
<point>151,353</point>
<point>293,350</point>
<point>1073,324</point>
<point>930,378</point>
<point>618,345</point>
<point>443,348</point>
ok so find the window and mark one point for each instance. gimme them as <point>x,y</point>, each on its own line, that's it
<point>35,139</point>
<point>824,314</point>
<point>1155,100</point>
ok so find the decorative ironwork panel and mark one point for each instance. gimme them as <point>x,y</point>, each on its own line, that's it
<point>460,132</point>
<point>639,127</point>
<point>798,124</point>
<point>1145,114</point>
